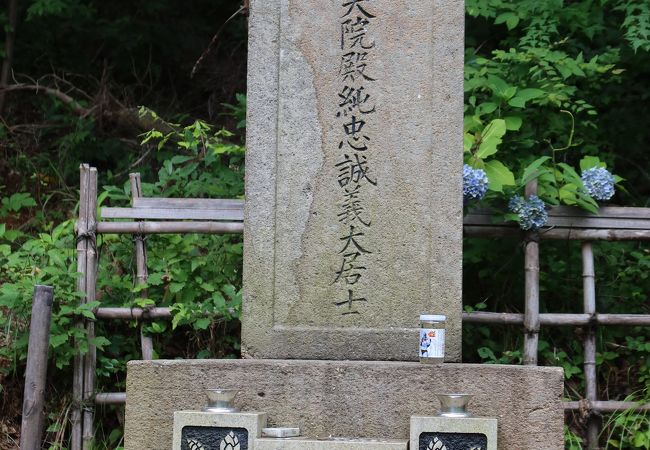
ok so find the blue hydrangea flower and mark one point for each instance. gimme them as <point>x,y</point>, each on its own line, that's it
<point>515,203</point>
<point>532,212</point>
<point>475,183</point>
<point>599,183</point>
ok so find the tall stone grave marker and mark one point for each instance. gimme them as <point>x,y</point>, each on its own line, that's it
<point>353,223</point>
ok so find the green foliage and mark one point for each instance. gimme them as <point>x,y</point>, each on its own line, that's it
<point>15,203</point>
<point>197,276</point>
<point>636,23</point>
<point>629,429</point>
<point>543,84</point>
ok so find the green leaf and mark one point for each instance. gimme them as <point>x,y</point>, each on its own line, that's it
<point>3,228</point>
<point>176,287</point>
<point>100,342</point>
<point>513,123</point>
<point>509,18</point>
<point>589,162</point>
<point>498,85</point>
<point>532,171</point>
<point>58,340</point>
<point>498,175</point>
<point>468,142</point>
<point>491,138</point>
<point>486,108</point>
<point>524,95</point>
<point>202,323</point>
<point>569,174</point>
<point>568,194</point>
<point>87,314</point>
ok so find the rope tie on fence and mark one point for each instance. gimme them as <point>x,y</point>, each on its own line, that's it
<point>89,234</point>
<point>87,404</point>
<point>531,236</point>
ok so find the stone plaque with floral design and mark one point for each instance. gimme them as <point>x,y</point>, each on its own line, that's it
<point>214,438</point>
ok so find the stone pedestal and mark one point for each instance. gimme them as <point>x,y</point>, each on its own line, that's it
<point>360,399</point>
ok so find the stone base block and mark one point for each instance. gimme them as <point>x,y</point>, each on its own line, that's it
<point>453,432</point>
<point>202,427</point>
<point>330,444</point>
<point>361,399</point>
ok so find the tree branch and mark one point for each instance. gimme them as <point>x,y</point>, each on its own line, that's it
<point>9,50</point>
<point>65,98</point>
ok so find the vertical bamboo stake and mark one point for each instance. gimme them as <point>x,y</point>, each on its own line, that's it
<point>589,297</point>
<point>31,429</point>
<point>141,267</point>
<point>90,359</point>
<point>82,246</point>
<point>531,313</point>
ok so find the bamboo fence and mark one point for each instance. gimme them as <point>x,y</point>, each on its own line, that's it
<point>226,216</point>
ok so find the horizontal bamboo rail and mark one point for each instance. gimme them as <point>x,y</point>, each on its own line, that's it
<point>169,227</point>
<point>110,398</point>
<point>558,234</point>
<point>559,319</point>
<point>137,313</point>
<point>605,405</point>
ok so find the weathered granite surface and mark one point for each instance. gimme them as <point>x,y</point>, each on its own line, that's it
<point>408,258</point>
<point>360,399</point>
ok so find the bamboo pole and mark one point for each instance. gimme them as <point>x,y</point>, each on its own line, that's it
<point>589,295</point>
<point>90,359</point>
<point>169,227</point>
<point>142,275</point>
<point>605,406</point>
<point>78,365</point>
<point>132,313</point>
<point>531,313</point>
<point>559,319</point>
<point>31,429</point>
<point>110,398</point>
<point>558,233</point>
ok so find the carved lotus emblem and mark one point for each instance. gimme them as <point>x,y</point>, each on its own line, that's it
<point>230,442</point>
<point>193,444</point>
<point>436,444</point>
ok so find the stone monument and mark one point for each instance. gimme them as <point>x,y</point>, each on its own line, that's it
<point>353,228</point>
<point>353,222</point>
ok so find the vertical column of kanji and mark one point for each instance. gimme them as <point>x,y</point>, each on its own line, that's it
<point>355,108</point>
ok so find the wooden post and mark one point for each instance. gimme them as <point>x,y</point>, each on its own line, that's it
<point>31,429</point>
<point>591,387</point>
<point>141,267</point>
<point>531,313</point>
<point>78,367</point>
<point>90,359</point>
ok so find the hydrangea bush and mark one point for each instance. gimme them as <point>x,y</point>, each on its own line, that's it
<point>486,178</point>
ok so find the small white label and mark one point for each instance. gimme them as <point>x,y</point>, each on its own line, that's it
<point>432,343</point>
